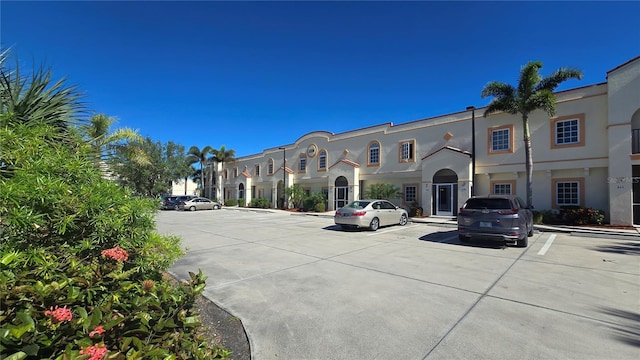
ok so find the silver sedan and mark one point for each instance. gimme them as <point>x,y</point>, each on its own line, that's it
<point>198,203</point>
<point>370,214</point>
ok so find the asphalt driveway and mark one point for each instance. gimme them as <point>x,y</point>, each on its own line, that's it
<point>306,290</point>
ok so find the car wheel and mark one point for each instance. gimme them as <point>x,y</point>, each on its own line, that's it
<point>216,207</point>
<point>176,207</point>
<point>375,224</point>
<point>193,208</point>
<point>524,242</point>
<point>530,233</point>
<point>463,238</point>
<point>403,220</point>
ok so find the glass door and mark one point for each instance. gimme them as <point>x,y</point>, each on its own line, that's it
<point>444,199</point>
<point>341,198</point>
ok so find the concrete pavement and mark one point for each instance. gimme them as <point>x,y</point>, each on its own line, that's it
<point>305,290</point>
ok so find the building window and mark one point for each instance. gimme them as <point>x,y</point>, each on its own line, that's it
<point>503,187</point>
<point>235,172</point>
<point>568,192</point>
<point>374,154</point>
<point>225,174</point>
<point>406,150</point>
<point>567,131</point>
<point>270,167</point>
<point>501,139</point>
<point>322,160</point>
<point>302,164</point>
<point>410,194</point>
<point>260,193</point>
<point>256,169</point>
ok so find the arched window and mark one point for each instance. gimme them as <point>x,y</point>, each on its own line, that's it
<point>302,163</point>
<point>373,156</point>
<point>270,167</point>
<point>322,160</point>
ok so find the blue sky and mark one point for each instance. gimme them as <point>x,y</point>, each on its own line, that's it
<point>256,75</point>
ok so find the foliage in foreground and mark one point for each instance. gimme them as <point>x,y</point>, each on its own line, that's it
<point>80,263</point>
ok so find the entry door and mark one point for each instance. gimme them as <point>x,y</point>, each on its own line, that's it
<point>444,199</point>
<point>341,198</point>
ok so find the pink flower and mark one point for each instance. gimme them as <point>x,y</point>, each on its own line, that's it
<point>97,331</point>
<point>59,314</point>
<point>97,351</point>
<point>116,253</point>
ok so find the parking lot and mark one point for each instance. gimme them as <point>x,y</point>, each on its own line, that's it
<point>306,290</point>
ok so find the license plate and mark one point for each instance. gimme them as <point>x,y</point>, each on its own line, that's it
<point>346,215</point>
<point>485,224</point>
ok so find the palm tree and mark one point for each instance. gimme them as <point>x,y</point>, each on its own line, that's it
<point>533,92</point>
<point>222,156</point>
<point>105,142</point>
<point>37,99</point>
<point>195,155</point>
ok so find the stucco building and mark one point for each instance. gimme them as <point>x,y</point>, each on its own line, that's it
<point>586,155</point>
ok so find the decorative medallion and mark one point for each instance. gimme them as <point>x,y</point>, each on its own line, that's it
<point>312,150</point>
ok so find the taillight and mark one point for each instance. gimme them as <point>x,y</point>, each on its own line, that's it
<point>359,213</point>
<point>508,212</point>
<point>337,213</point>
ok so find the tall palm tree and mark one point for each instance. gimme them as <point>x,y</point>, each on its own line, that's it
<point>532,93</point>
<point>196,155</point>
<point>222,156</point>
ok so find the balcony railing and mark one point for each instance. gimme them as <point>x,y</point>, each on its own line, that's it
<point>635,141</point>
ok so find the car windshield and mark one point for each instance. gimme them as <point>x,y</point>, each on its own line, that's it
<point>490,204</point>
<point>358,204</point>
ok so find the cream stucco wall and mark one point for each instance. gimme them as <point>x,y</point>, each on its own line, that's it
<point>605,112</point>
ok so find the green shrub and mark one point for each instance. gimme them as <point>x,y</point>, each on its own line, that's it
<point>581,215</point>
<point>320,207</point>
<point>538,217</point>
<point>262,203</point>
<point>231,202</point>
<point>105,302</point>
<point>241,202</point>
<point>57,217</point>
<point>312,201</point>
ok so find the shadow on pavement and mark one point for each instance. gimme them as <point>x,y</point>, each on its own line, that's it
<point>628,248</point>
<point>628,328</point>
<point>451,237</point>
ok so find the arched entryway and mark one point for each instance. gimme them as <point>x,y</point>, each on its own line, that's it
<point>341,192</point>
<point>241,192</point>
<point>445,193</point>
<point>280,194</point>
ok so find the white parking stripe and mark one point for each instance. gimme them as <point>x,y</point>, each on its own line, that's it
<point>384,232</point>
<point>547,245</point>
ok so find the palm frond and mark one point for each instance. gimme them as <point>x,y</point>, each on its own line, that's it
<point>542,99</point>
<point>563,74</point>
<point>529,78</point>
<point>498,89</point>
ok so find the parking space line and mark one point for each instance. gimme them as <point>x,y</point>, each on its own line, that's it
<point>384,232</point>
<point>547,245</point>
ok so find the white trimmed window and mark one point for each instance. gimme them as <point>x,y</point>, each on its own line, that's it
<point>270,167</point>
<point>501,140</point>
<point>256,170</point>
<point>374,153</point>
<point>567,132</point>
<point>567,193</point>
<point>501,189</point>
<point>322,160</point>
<point>410,194</point>
<point>302,163</point>
<point>407,150</point>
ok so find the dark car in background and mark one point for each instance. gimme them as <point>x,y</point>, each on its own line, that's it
<point>496,217</point>
<point>171,202</point>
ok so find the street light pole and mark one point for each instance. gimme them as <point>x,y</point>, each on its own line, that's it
<point>284,177</point>
<point>473,149</point>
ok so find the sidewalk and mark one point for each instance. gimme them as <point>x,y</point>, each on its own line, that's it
<point>451,222</point>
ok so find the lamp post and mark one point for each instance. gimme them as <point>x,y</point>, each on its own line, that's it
<point>473,148</point>
<point>284,176</point>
